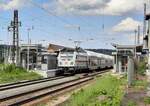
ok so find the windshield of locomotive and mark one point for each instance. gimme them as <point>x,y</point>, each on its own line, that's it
<point>68,55</point>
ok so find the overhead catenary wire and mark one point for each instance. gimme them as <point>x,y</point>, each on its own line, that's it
<point>58,17</point>
<point>49,12</point>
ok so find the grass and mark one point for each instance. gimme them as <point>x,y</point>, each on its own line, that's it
<point>131,103</point>
<point>141,67</point>
<point>106,91</point>
<point>140,84</point>
<point>11,73</point>
<point>141,70</point>
<point>147,100</point>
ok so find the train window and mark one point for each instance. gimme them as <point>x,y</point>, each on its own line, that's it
<point>81,57</point>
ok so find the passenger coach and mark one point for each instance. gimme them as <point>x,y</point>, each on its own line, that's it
<point>76,60</point>
<point>72,60</point>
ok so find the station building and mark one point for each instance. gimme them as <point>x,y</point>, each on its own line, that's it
<point>5,52</point>
<point>34,55</point>
<point>122,54</point>
<point>40,58</point>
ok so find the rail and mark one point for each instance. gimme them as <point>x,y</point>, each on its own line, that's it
<point>23,97</point>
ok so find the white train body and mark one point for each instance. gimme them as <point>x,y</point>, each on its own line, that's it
<point>101,60</point>
<point>72,60</point>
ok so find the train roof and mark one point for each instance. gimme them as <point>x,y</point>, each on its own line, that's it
<point>91,53</point>
<point>72,50</point>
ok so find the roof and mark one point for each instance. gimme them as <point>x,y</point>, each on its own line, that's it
<point>32,46</point>
<point>52,48</point>
<point>91,53</point>
<point>126,46</point>
<point>138,47</point>
<point>73,49</point>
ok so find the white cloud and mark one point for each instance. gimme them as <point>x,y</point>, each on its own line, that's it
<point>83,7</point>
<point>127,25</point>
<point>98,7</point>
<point>117,7</point>
<point>12,4</point>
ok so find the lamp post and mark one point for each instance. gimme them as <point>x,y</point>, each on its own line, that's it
<point>2,51</point>
<point>28,51</point>
<point>135,31</point>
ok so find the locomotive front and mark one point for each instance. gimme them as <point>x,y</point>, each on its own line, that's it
<point>66,60</point>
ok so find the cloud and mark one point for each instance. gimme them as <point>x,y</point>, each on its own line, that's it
<point>98,7</point>
<point>118,7</point>
<point>12,4</point>
<point>127,25</point>
<point>82,7</point>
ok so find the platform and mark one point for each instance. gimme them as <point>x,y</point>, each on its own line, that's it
<point>48,73</point>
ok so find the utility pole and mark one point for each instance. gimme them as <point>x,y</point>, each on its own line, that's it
<point>138,38</point>
<point>14,26</point>
<point>144,23</point>
<point>147,18</point>
<point>28,47</point>
<point>135,31</point>
<point>145,29</point>
<point>28,53</point>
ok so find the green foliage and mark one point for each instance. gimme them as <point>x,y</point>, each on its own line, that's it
<point>108,86</point>
<point>131,103</point>
<point>11,73</point>
<point>141,69</point>
<point>147,100</point>
<point>140,84</point>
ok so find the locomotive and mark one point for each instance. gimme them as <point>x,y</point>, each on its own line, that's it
<point>74,60</point>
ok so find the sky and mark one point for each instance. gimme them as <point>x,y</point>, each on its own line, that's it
<point>95,23</point>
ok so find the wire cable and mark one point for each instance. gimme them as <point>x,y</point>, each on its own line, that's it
<point>49,12</point>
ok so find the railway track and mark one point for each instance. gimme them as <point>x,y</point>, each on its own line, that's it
<point>25,83</point>
<point>15,97</point>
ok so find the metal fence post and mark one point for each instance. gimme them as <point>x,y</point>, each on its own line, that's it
<point>130,71</point>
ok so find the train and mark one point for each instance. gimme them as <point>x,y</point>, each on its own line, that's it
<point>74,60</point>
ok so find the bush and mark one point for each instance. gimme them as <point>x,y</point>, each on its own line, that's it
<point>141,69</point>
<point>131,103</point>
<point>11,73</point>
<point>147,100</point>
<point>107,86</point>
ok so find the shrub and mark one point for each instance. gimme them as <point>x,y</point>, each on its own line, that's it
<point>131,103</point>
<point>147,100</point>
<point>141,69</point>
<point>11,73</point>
<point>107,86</point>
